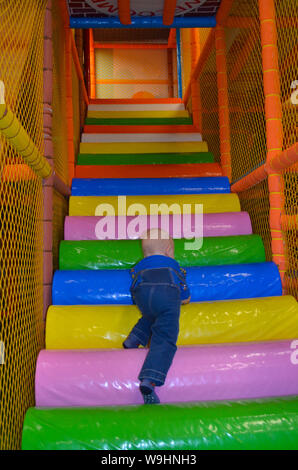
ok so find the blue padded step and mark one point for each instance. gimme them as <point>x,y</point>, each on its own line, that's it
<point>206,283</point>
<point>149,186</point>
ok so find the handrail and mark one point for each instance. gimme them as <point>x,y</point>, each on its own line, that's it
<point>284,159</point>
<point>254,177</point>
<point>278,163</point>
<point>18,137</point>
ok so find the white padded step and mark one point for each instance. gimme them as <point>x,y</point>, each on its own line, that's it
<point>179,137</point>
<point>137,107</point>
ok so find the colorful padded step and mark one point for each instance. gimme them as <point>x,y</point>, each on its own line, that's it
<point>93,205</point>
<point>263,424</point>
<point>180,158</point>
<point>139,121</point>
<point>148,171</point>
<point>214,225</point>
<point>148,186</point>
<point>207,283</point>
<point>132,117</point>
<point>137,107</point>
<point>124,254</point>
<point>127,138</point>
<point>101,129</point>
<point>117,101</point>
<point>84,365</point>
<point>142,148</point>
<point>230,321</point>
<point>131,114</point>
<point>71,378</point>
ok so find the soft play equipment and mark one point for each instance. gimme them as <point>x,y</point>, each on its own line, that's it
<point>121,254</point>
<point>205,283</point>
<point>139,137</point>
<point>263,424</point>
<point>168,158</point>
<point>214,225</point>
<point>122,116</point>
<point>147,186</point>
<point>166,114</point>
<point>96,205</point>
<point>233,382</point>
<point>140,171</point>
<point>106,326</point>
<point>109,377</point>
<point>131,148</point>
<point>138,120</point>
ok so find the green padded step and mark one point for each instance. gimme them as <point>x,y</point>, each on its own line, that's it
<point>263,424</point>
<point>138,121</point>
<point>123,254</point>
<point>145,159</point>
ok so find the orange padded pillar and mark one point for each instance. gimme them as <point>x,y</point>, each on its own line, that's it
<point>169,11</point>
<point>124,11</point>
<point>92,66</point>
<point>223,101</point>
<point>48,184</point>
<point>69,105</point>
<point>274,127</point>
<point>195,89</point>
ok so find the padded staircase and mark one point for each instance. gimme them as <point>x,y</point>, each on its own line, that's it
<point>234,341</point>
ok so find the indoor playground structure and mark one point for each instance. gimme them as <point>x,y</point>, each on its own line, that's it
<point>114,116</point>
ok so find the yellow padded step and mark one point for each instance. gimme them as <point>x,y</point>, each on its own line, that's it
<point>137,114</point>
<point>143,147</point>
<point>129,205</point>
<point>106,326</point>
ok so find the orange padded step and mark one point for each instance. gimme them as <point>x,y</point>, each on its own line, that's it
<point>148,171</point>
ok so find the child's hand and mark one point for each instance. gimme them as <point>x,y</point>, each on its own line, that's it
<point>186,301</point>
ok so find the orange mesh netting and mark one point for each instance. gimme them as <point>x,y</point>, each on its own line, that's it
<point>21,276</point>
<point>287,21</point>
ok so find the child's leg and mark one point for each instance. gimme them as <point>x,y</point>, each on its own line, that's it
<point>141,332</point>
<point>166,302</point>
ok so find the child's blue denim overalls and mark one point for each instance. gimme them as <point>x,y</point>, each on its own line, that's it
<point>157,294</point>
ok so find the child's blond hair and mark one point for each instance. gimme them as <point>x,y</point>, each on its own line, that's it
<point>157,242</point>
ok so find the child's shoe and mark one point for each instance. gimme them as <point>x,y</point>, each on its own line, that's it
<point>149,395</point>
<point>131,342</point>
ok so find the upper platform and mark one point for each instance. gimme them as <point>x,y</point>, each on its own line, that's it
<point>100,8</point>
<point>141,13</point>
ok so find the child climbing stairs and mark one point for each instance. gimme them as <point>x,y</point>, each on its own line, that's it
<point>233,368</point>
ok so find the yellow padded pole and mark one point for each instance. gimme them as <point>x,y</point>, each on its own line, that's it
<point>106,326</point>
<point>17,136</point>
